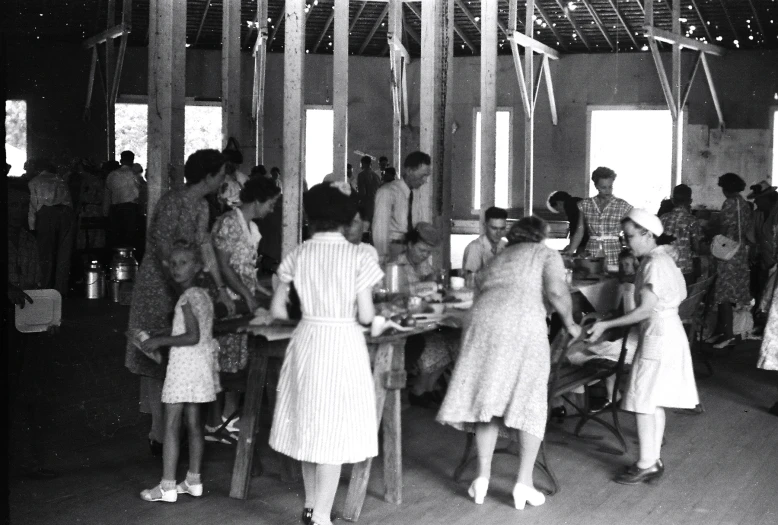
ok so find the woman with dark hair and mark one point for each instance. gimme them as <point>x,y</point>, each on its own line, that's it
<point>602,216</point>
<point>563,202</point>
<point>662,375</point>
<point>180,215</point>
<point>325,413</point>
<point>229,192</point>
<point>501,376</point>
<point>236,241</point>
<point>733,279</point>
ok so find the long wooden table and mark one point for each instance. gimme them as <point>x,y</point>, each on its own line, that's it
<point>388,359</point>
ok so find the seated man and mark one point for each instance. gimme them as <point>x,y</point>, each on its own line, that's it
<point>479,252</point>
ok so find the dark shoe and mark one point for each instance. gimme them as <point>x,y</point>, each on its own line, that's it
<point>558,412</point>
<point>774,409</point>
<point>426,400</point>
<point>634,475</point>
<point>155,447</point>
<point>307,516</point>
<point>598,404</point>
<point>42,473</point>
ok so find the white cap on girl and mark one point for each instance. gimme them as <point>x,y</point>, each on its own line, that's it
<point>647,220</point>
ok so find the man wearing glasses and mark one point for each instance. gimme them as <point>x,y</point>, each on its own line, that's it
<point>479,252</point>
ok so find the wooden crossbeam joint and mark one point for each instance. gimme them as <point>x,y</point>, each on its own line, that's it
<point>689,43</point>
<point>535,45</point>
<point>102,36</point>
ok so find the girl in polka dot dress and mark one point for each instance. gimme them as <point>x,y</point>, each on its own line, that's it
<point>192,376</point>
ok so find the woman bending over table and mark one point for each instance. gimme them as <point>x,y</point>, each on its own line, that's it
<point>501,376</point>
<point>662,374</point>
<point>602,216</point>
<point>325,414</point>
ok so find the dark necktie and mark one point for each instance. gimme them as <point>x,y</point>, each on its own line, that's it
<point>410,212</point>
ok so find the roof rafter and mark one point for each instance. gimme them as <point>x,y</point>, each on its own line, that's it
<point>575,25</point>
<point>551,26</point>
<point>324,31</point>
<point>356,16</point>
<point>202,21</point>
<point>276,26</point>
<point>457,29</point>
<point>624,23</point>
<point>704,22</point>
<point>373,30</point>
<point>729,19</point>
<point>411,31</point>
<point>599,24</point>
<point>758,21</point>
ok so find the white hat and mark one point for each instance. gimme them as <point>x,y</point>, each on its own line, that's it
<point>548,203</point>
<point>647,220</point>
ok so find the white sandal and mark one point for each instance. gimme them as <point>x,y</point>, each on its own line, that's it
<point>159,494</point>
<point>193,490</point>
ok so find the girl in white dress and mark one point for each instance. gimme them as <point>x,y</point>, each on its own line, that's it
<point>325,414</point>
<point>662,374</point>
<point>192,376</point>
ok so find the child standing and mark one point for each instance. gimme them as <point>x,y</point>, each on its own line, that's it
<point>325,415</point>
<point>662,374</point>
<point>192,376</point>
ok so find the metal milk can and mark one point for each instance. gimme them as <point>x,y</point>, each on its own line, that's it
<point>95,281</point>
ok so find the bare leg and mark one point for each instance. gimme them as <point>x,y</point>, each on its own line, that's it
<point>529,446</point>
<point>170,448</point>
<point>230,404</point>
<point>485,440</point>
<point>725,319</point>
<point>215,410</point>
<point>646,436</point>
<point>309,481</point>
<point>659,430</point>
<point>327,478</point>
<point>195,429</point>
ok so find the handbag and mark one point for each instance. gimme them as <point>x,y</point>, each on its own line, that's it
<point>724,248</point>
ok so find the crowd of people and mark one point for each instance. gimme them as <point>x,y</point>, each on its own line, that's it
<point>201,263</point>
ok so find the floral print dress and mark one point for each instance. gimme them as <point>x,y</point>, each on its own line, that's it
<point>733,281</point>
<point>238,238</point>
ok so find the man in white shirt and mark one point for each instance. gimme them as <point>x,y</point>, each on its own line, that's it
<point>121,203</point>
<point>395,212</point>
<point>483,249</point>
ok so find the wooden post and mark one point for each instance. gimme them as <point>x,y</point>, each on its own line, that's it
<point>260,67</point>
<point>488,102</point>
<point>395,31</point>
<point>110,61</point>
<point>677,149</point>
<point>230,71</point>
<point>167,72</point>
<point>529,117</point>
<point>340,90</point>
<point>294,123</point>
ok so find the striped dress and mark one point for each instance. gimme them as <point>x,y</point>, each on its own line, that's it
<point>325,411</point>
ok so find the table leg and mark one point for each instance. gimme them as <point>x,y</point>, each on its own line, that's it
<point>360,474</point>
<point>392,426</point>
<point>244,455</point>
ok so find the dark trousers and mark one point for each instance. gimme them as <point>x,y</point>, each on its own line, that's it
<point>55,227</point>
<point>124,225</point>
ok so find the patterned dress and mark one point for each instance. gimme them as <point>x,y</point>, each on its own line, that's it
<point>233,235</point>
<point>177,217</point>
<point>733,280</point>
<point>662,373</point>
<point>192,371</point>
<point>604,225</point>
<point>503,366</point>
<point>687,230</point>
<point>325,411</point>
<point>768,354</point>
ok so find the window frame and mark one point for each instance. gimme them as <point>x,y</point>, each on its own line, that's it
<point>476,177</point>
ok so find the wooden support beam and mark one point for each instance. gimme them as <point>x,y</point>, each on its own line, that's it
<point>458,30</point>
<point>276,26</point>
<point>461,5</point>
<point>357,15</point>
<point>525,100</point>
<point>573,23</point>
<point>231,71</point>
<point>529,118</point>
<point>690,43</point>
<point>624,23</point>
<point>663,80</point>
<point>110,64</point>
<point>397,67</point>
<point>117,73</point>
<point>702,20</point>
<point>294,128</point>
<point>712,88</point>
<point>373,30</point>
<point>528,42</point>
<point>729,19</point>
<point>599,24</point>
<point>340,90</point>
<point>327,25</point>
<point>103,36</point>
<point>756,19</point>
<point>90,86</point>
<point>489,10</point>
<point>258,95</point>
<point>202,22</point>
<point>166,80</point>
<point>550,90</point>
<point>411,32</point>
<point>551,26</point>
<point>688,87</point>
<point>309,10</point>
<point>677,135</point>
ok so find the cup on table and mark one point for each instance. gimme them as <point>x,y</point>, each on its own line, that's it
<point>457,283</point>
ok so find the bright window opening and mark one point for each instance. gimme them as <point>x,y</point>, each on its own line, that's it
<point>319,128</point>
<point>502,193</point>
<point>16,136</point>
<point>637,145</point>
<point>202,129</point>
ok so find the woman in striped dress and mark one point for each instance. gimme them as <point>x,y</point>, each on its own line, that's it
<point>325,414</point>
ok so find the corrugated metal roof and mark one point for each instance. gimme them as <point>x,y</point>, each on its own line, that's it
<point>733,24</point>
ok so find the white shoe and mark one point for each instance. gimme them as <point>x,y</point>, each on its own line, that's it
<point>192,490</point>
<point>523,494</point>
<point>159,494</point>
<point>478,489</point>
<point>232,427</point>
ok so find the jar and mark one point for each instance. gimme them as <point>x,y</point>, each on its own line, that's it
<point>123,264</point>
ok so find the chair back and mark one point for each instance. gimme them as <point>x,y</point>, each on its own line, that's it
<point>690,306</point>
<point>700,286</point>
